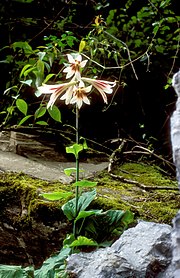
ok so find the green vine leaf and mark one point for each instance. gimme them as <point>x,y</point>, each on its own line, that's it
<point>40,112</point>
<point>22,106</point>
<point>41,123</point>
<point>55,113</point>
<point>24,119</point>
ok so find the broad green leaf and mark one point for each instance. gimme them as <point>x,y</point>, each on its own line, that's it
<point>83,202</point>
<point>22,106</point>
<point>48,77</point>
<point>55,113</point>
<point>13,271</point>
<point>24,119</point>
<point>69,171</point>
<point>83,214</point>
<point>85,183</point>
<point>24,69</point>
<point>83,241</point>
<point>127,218</point>
<point>54,196</point>
<point>40,112</point>
<point>41,123</point>
<point>49,267</point>
<point>74,149</point>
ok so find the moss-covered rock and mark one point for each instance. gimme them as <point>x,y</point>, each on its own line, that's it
<point>141,188</point>
<point>33,228</point>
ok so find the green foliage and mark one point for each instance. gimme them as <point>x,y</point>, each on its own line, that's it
<point>55,113</point>
<point>32,67</point>
<point>11,271</point>
<point>54,266</point>
<point>22,106</point>
<point>83,202</point>
<point>54,196</point>
<point>83,241</point>
<point>75,149</point>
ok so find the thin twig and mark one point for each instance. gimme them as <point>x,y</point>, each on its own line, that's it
<point>141,185</point>
<point>50,24</point>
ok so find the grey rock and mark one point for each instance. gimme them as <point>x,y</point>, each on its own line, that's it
<point>175,126</point>
<point>175,139</point>
<point>141,252</point>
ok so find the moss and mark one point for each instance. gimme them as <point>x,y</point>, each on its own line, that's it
<point>22,193</point>
<point>151,204</point>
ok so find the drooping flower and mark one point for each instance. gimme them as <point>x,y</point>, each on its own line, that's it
<point>104,87</point>
<point>74,67</point>
<point>57,90</point>
<point>80,94</point>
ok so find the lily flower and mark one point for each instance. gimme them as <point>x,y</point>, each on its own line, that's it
<point>75,66</point>
<point>80,94</point>
<point>104,87</point>
<point>56,91</point>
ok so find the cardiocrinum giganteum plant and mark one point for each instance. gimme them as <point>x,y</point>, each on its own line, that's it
<point>87,224</point>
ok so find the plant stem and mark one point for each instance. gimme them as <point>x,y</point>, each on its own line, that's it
<point>77,168</point>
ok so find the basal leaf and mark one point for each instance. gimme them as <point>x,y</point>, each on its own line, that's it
<point>13,271</point>
<point>83,202</point>
<point>85,183</point>
<point>83,214</point>
<point>83,241</point>
<point>54,196</point>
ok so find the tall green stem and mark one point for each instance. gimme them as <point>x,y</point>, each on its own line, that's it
<point>77,169</point>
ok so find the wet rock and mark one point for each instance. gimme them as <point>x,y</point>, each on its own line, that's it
<point>141,252</point>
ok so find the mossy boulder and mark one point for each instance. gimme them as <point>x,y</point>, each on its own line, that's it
<point>33,228</point>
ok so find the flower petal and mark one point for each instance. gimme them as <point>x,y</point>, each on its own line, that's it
<point>83,63</point>
<point>70,59</point>
<point>102,86</point>
<point>79,58</point>
<point>68,95</point>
